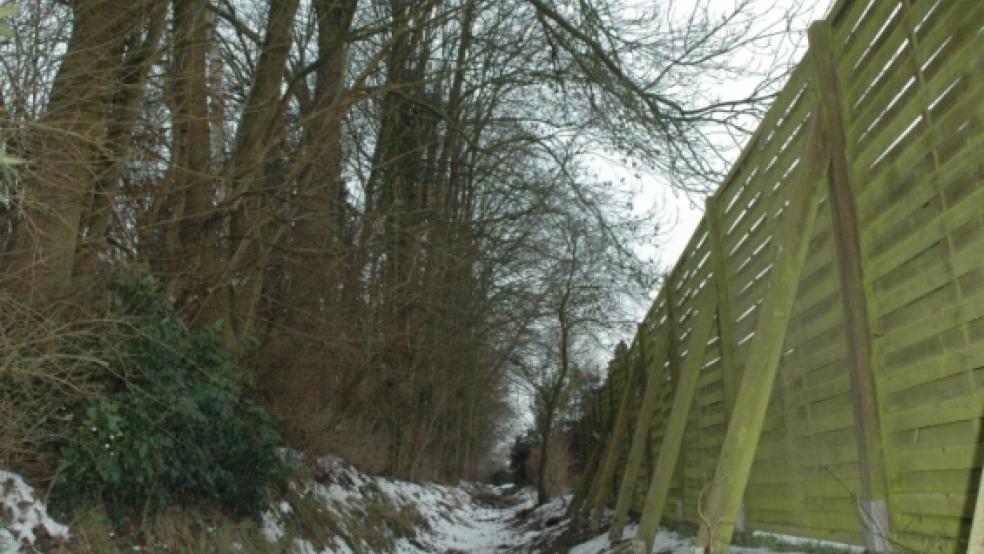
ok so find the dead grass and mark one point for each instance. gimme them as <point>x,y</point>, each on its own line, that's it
<point>42,367</point>
<point>176,531</point>
<point>372,527</point>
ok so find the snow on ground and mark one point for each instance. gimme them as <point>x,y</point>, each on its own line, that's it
<point>24,520</point>
<point>354,510</point>
<point>469,528</point>
<point>462,520</point>
<point>447,519</point>
<point>670,542</point>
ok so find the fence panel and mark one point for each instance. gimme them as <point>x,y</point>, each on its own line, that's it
<point>878,399</point>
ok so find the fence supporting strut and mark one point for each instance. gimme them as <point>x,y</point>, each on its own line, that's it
<point>976,538</point>
<point>752,400</point>
<point>669,451</point>
<point>649,403</point>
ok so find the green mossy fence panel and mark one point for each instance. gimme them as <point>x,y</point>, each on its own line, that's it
<point>879,391</point>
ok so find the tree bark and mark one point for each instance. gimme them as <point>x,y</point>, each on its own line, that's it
<point>191,161</point>
<point>125,110</point>
<point>233,297</point>
<point>69,142</point>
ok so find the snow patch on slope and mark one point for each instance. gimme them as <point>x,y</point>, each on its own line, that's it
<point>24,520</point>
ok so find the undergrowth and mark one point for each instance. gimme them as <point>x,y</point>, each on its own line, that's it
<point>128,408</point>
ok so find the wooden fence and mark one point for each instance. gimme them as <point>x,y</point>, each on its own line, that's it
<point>814,364</point>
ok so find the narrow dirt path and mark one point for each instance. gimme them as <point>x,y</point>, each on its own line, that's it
<point>495,522</point>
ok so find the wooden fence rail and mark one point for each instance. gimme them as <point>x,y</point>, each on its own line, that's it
<point>814,364</point>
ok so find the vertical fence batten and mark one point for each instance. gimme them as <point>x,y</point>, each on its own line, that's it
<point>873,505</point>
<point>725,318</point>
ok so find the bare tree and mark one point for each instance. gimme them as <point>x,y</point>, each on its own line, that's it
<point>383,204</point>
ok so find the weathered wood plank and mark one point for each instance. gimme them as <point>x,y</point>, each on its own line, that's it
<point>899,344</point>
<point>732,185</point>
<point>945,33</point>
<point>857,325</point>
<point>937,227</point>
<point>939,458</point>
<point>776,157</point>
<point>957,14</point>
<point>893,194</point>
<point>856,51</point>
<point>886,135</point>
<point>948,363</point>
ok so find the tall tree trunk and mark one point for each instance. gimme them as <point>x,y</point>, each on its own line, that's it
<point>234,295</point>
<point>314,246</point>
<point>549,407</point>
<point>315,242</point>
<point>553,394</point>
<point>123,116</point>
<point>69,142</point>
<point>192,242</point>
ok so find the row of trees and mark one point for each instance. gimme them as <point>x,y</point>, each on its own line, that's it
<point>388,206</point>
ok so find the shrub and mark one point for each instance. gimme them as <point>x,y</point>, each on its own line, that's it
<point>168,425</point>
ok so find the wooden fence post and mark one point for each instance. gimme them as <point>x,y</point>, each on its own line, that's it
<point>679,476</point>
<point>744,428</point>
<point>610,459</point>
<point>725,319</point>
<point>875,517</point>
<point>669,451</point>
<point>630,475</point>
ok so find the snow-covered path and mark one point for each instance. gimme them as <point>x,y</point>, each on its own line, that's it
<point>523,527</point>
<point>475,527</point>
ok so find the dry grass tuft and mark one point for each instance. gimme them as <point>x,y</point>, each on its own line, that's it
<point>42,366</point>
